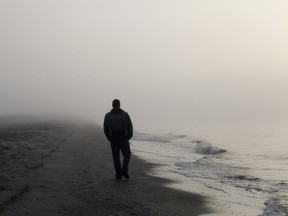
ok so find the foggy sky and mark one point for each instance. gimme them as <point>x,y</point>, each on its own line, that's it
<point>171,63</point>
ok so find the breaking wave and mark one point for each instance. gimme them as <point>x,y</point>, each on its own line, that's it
<point>205,148</point>
<point>139,136</point>
<point>150,137</point>
<point>274,208</point>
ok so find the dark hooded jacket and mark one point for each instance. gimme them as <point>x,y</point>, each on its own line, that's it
<point>128,124</point>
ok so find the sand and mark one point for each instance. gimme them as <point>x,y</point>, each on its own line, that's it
<point>56,168</point>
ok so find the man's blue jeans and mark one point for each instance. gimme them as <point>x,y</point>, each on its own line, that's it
<point>124,147</point>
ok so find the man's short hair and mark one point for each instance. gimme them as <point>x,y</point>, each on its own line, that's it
<point>116,103</point>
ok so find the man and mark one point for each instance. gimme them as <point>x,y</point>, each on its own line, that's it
<point>118,129</point>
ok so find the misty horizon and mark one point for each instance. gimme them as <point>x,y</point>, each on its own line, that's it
<point>172,64</point>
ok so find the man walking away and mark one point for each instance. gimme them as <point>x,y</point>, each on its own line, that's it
<point>118,129</point>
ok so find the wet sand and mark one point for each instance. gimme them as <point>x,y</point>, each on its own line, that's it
<point>54,168</point>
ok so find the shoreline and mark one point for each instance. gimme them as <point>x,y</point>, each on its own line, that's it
<point>223,201</point>
<point>78,178</point>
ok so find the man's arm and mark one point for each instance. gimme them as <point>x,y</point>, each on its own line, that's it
<point>129,127</point>
<point>106,128</point>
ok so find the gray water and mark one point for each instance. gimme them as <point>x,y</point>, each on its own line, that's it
<point>248,165</point>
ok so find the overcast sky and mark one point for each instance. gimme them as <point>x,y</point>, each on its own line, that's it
<point>171,63</point>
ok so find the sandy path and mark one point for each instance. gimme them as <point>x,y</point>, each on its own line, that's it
<point>78,179</point>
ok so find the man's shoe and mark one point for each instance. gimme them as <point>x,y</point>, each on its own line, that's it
<point>118,177</point>
<point>125,174</point>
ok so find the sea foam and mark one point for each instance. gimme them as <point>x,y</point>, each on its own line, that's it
<point>205,148</point>
<point>274,208</point>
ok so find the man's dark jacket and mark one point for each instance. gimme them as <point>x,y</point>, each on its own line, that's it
<point>109,116</point>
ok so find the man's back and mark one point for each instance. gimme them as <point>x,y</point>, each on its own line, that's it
<point>118,125</point>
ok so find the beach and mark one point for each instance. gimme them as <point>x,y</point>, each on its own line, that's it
<point>241,172</point>
<point>65,168</point>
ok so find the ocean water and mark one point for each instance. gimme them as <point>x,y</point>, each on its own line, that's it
<point>243,166</point>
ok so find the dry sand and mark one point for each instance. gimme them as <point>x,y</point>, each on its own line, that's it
<point>54,168</point>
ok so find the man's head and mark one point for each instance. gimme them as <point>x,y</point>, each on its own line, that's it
<point>116,103</point>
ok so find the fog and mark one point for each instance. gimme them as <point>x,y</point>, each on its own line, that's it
<point>173,64</point>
